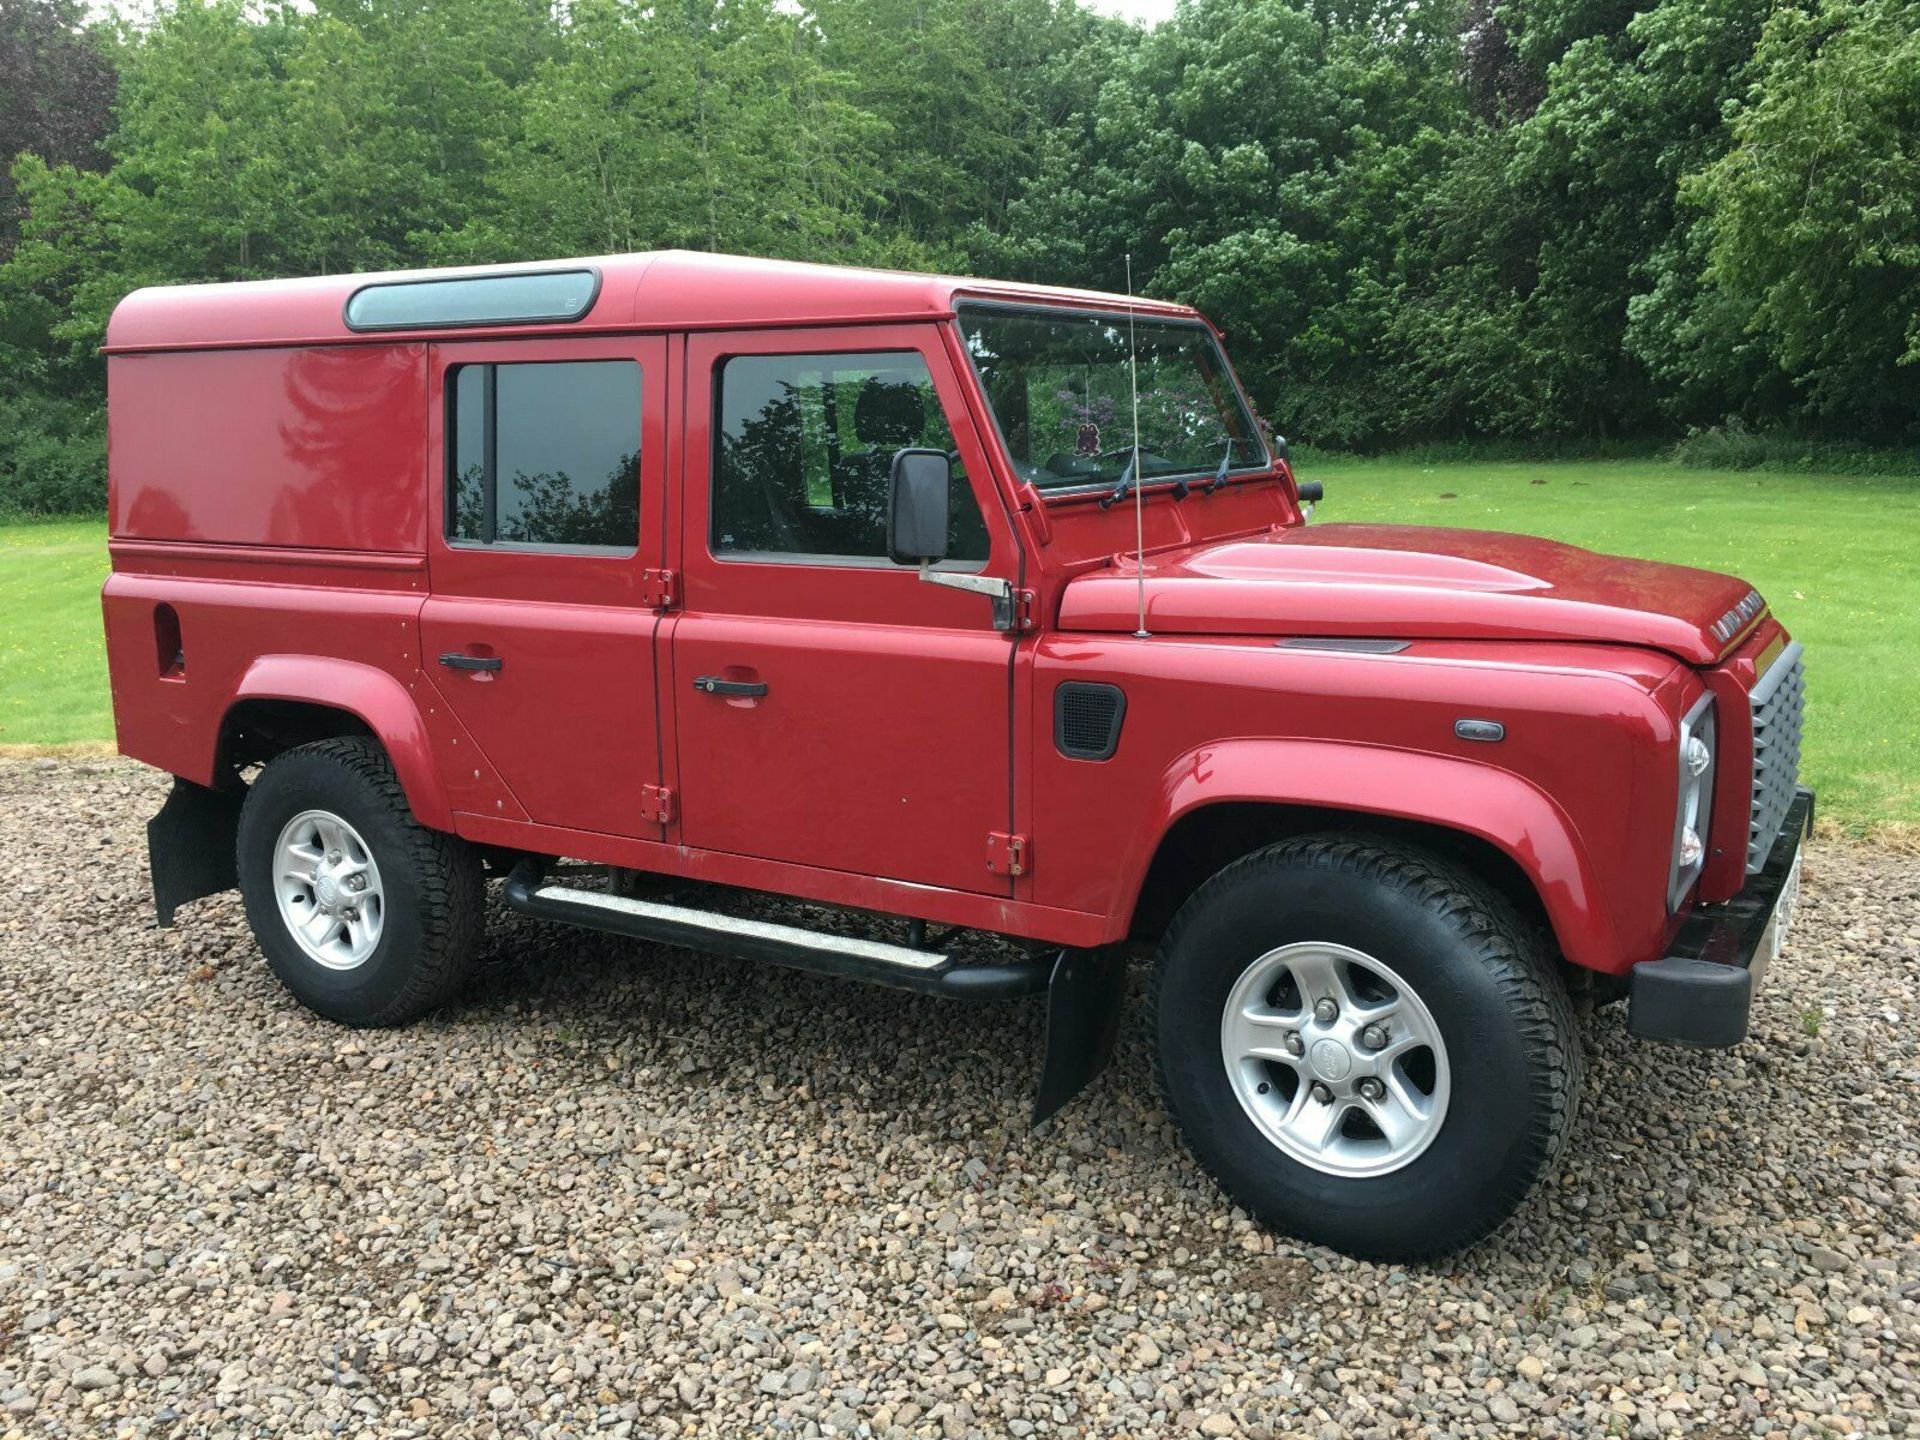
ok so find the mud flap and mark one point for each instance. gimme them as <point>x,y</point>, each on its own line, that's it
<point>1084,1001</point>
<point>190,846</point>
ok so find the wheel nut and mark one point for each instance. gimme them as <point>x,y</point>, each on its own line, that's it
<point>1295,1045</point>
<point>333,857</point>
<point>359,882</point>
<point>1374,1037</point>
<point>1321,1094</point>
<point>1325,1011</point>
<point>1372,1089</point>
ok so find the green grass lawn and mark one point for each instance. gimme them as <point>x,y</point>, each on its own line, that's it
<point>1835,555</point>
<point>53,661</point>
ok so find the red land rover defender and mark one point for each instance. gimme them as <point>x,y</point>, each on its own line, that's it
<point>801,609</point>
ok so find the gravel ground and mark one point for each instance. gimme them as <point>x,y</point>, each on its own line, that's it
<point>644,1192</point>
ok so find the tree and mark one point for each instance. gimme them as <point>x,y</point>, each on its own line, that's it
<point>1251,156</point>
<point>1417,219</point>
<point>695,123</point>
<point>56,94</point>
<point>1815,229</point>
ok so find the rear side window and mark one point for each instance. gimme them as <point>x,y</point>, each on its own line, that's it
<point>803,455</point>
<point>545,454</point>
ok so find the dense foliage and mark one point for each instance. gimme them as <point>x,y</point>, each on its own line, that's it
<point>1522,221</point>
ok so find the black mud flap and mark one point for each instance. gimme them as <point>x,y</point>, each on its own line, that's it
<point>1084,1001</point>
<point>190,846</point>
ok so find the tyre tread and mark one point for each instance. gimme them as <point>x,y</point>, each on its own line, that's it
<point>452,891</point>
<point>1513,953</point>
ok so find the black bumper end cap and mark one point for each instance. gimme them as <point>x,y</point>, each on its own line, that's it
<point>1684,1001</point>
<point>1702,994</point>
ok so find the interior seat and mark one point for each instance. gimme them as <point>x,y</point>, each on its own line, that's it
<point>888,414</point>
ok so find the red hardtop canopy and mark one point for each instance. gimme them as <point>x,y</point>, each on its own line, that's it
<point>660,290</point>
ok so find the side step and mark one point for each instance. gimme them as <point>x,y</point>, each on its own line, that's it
<point>929,972</point>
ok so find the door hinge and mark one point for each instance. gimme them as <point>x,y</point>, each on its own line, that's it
<point>657,589</point>
<point>656,804</point>
<point>1006,854</point>
<point>1024,604</point>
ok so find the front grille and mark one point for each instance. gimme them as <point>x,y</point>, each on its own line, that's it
<point>1779,704</point>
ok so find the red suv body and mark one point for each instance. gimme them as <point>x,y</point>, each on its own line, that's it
<point>629,561</point>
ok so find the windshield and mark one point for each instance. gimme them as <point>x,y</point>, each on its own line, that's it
<point>1061,394</point>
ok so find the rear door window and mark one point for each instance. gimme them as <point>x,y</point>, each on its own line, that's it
<point>545,455</point>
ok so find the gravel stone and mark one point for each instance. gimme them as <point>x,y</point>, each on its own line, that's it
<point>618,1190</point>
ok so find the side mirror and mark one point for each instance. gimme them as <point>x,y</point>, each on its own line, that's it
<point>918,506</point>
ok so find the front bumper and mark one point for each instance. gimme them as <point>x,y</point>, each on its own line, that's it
<point>1702,992</point>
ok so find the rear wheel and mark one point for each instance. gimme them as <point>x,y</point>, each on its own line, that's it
<point>1364,1045</point>
<point>366,916</point>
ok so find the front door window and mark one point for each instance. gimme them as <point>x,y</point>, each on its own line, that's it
<point>804,452</point>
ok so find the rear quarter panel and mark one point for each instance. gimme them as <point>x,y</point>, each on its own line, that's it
<point>261,625</point>
<point>315,448</point>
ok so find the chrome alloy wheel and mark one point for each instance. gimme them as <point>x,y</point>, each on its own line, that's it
<point>1336,1059</point>
<point>328,888</point>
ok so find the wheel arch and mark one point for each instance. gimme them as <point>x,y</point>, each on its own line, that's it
<point>287,700</point>
<point>1226,800</point>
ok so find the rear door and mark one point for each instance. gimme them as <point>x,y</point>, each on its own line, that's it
<point>869,728</point>
<point>539,633</point>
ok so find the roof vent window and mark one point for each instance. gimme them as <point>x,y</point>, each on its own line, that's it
<point>543,297</point>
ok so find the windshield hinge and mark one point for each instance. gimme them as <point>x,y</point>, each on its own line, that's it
<point>656,804</point>
<point>657,589</point>
<point>1012,609</point>
<point>1007,854</point>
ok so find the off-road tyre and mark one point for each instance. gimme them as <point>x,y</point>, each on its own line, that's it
<point>1490,983</point>
<point>434,891</point>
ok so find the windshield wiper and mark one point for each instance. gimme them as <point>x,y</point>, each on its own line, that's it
<point>1126,486</point>
<point>1220,476</point>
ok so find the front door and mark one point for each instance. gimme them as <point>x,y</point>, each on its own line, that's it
<point>539,633</point>
<point>832,709</point>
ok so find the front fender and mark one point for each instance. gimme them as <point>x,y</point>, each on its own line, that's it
<point>378,699</point>
<point>1476,799</point>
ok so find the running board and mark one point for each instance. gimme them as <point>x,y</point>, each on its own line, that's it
<point>928,972</point>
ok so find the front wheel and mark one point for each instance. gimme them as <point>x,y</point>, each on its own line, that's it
<point>1364,1045</point>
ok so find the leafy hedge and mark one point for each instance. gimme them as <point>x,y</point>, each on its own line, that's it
<point>1735,446</point>
<point>1556,225</point>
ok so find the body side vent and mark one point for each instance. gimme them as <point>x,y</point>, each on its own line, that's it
<point>1086,719</point>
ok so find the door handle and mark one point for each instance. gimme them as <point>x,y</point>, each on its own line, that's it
<point>454,660</point>
<point>714,685</point>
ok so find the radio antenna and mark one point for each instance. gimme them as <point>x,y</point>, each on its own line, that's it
<point>1139,500</point>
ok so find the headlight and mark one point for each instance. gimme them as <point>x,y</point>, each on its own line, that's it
<point>1694,812</point>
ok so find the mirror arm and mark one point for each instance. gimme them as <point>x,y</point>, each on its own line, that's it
<point>996,589</point>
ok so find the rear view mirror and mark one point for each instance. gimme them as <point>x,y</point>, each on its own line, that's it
<point>918,506</point>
